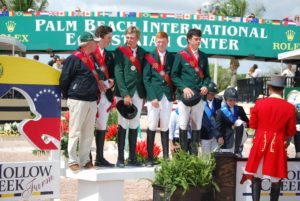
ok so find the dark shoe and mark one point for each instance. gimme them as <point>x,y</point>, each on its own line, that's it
<point>150,164</point>
<point>183,140</point>
<point>120,164</point>
<point>150,144</point>
<point>74,167</point>
<point>275,191</point>
<point>165,143</point>
<point>256,188</point>
<point>134,163</point>
<point>102,162</point>
<point>88,165</point>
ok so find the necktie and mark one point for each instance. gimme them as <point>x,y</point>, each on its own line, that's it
<point>133,52</point>
<point>196,54</point>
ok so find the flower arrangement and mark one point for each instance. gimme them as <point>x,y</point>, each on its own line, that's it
<point>112,132</point>
<point>9,129</point>
<point>64,134</point>
<point>142,154</point>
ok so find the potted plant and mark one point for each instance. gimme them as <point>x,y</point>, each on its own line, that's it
<point>185,177</point>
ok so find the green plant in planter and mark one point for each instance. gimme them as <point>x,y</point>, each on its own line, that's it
<point>185,171</point>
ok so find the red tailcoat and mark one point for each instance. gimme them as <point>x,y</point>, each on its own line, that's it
<point>274,120</point>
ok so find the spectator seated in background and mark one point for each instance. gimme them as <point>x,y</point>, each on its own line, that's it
<point>288,71</point>
<point>4,8</point>
<point>289,74</point>
<point>297,76</point>
<point>53,60</point>
<point>58,65</point>
<point>36,57</point>
<point>255,72</point>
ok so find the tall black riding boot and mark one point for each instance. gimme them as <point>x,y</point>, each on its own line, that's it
<point>275,191</point>
<point>256,188</point>
<point>132,145</point>
<point>183,140</point>
<point>150,144</point>
<point>121,145</point>
<point>165,143</point>
<point>194,143</point>
<point>239,131</point>
<point>100,160</point>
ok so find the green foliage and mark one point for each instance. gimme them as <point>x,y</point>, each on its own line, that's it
<point>238,8</point>
<point>224,76</point>
<point>24,5</point>
<point>113,117</point>
<point>184,171</point>
<point>64,145</point>
<point>234,8</point>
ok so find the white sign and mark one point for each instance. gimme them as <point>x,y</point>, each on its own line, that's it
<point>290,190</point>
<point>29,181</point>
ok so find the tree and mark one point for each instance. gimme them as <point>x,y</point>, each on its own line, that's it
<point>224,76</point>
<point>24,5</point>
<point>238,8</point>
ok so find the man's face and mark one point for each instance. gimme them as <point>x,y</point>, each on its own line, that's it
<point>106,40</point>
<point>290,66</point>
<point>91,46</point>
<point>132,40</point>
<point>161,44</point>
<point>194,42</point>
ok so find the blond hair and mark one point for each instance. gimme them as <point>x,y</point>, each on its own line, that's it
<point>133,29</point>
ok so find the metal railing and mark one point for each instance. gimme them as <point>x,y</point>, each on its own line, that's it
<point>249,89</point>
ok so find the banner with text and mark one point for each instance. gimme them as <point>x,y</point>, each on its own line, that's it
<point>29,181</point>
<point>218,37</point>
<point>290,190</point>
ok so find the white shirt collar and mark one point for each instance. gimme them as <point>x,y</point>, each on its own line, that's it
<point>161,54</point>
<point>275,96</point>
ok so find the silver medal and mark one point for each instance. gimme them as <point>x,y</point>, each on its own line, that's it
<point>197,70</point>
<point>133,68</point>
<point>162,73</point>
<point>102,68</point>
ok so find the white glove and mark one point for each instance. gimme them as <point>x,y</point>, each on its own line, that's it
<point>298,127</point>
<point>106,83</point>
<point>238,122</point>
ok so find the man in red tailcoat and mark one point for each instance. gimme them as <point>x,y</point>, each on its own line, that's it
<point>274,120</point>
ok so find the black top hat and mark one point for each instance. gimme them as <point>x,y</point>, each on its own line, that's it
<point>277,81</point>
<point>194,100</point>
<point>128,112</point>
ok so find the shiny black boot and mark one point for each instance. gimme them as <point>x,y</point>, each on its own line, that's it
<point>100,160</point>
<point>121,146</point>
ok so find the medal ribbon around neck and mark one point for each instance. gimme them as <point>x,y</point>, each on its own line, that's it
<point>134,60</point>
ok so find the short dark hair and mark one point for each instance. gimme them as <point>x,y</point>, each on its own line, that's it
<point>255,66</point>
<point>193,32</point>
<point>277,90</point>
<point>102,30</point>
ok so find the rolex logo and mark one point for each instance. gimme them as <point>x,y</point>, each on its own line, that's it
<point>290,34</point>
<point>10,25</point>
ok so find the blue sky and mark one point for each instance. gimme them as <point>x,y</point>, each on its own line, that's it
<point>278,10</point>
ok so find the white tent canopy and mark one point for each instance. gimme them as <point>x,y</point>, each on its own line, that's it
<point>291,55</point>
<point>11,44</point>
